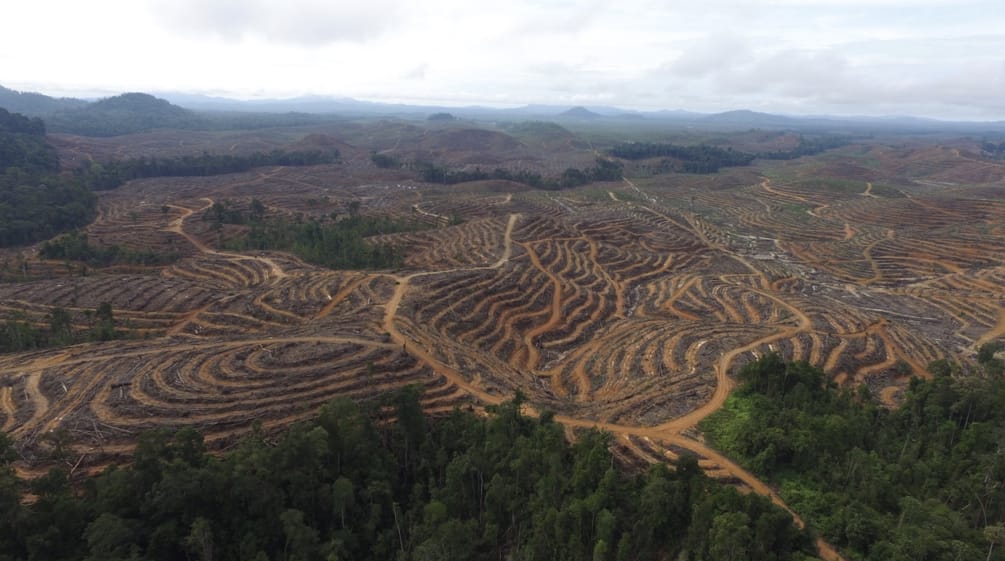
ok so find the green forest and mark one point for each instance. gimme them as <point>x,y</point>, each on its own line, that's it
<point>334,243</point>
<point>604,170</point>
<point>354,485</point>
<point>921,482</point>
<point>806,147</point>
<point>699,158</point>
<point>109,175</point>
<point>702,158</point>
<point>75,247</point>
<point>122,114</point>
<point>61,328</point>
<point>136,112</point>
<point>35,201</point>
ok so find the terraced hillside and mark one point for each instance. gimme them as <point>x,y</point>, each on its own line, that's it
<point>624,305</point>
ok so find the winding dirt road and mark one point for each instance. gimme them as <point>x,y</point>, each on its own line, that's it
<point>670,433</point>
<point>417,351</point>
<point>178,226</point>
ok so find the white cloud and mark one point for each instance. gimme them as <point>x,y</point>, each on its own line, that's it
<point>417,73</point>
<point>300,22</point>
<point>710,55</point>
<point>940,57</point>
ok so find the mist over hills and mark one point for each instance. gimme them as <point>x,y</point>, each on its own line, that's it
<point>136,112</point>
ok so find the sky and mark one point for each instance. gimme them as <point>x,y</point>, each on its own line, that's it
<point>933,58</point>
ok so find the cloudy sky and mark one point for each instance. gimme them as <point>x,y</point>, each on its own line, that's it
<point>936,58</point>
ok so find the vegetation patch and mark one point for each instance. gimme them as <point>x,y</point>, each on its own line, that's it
<point>35,201</point>
<point>700,158</point>
<point>345,486</point>
<point>109,175</point>
<point>605,170</point>
<point>336,244</point>
<point>123,114</point>
<point>75,247</point>
<point>61,328</point>
<point>920,482</point>
<point>703,158</point>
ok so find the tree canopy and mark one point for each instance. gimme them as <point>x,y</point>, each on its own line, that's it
<point>604,170</point>
<point>345,486</point>
<point>35,201</point>
<point>923,481</point>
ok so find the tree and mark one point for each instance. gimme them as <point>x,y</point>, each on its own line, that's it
<point>301,540</point>
<point>104,322</point>
<point>354,207</point>
<point>729,538</point>
<point>60,326</point>
<point>995,535</point>
<point>200,539</point>
<point>257,209</point>
<point>342,497</point>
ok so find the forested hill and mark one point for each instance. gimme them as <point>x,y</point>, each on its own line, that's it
<point>36,104</point>
<point>346,486</point>
<point>38,202</point>
<point>23,145</point>
<point>35,202</point>
<point>123,114</point>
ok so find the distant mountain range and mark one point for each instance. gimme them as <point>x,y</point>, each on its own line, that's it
<point>136,112</point>
<point>580,113</point>
<point>35,104</point>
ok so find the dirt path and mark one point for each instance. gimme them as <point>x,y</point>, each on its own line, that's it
<point>619,287</point>
<point>849,232</point>
<point>555,311</point>
<point>722,367</point>
<point>178,226</point>
<point>269,308</point>
<point>766,185</point>
<point>896,353</point>
<point>887,396</point>
<point>185,320</point>
<point>995,332</point>
<point>735,470</point>
<point>645,196</point>
<point>8,407</point>
<point>671,437</point>
<point>868,191</point>
<point>40,405</point>
<point>877,273</point>
<point>438,217</point>
<point>835,355</point>
<point>422,354</point>
<point>507,242</point>
<point>672,301</point>
<point>724,383</point>
<point>339,297</point>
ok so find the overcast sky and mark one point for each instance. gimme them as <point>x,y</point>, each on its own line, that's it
<point>937,58</point>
